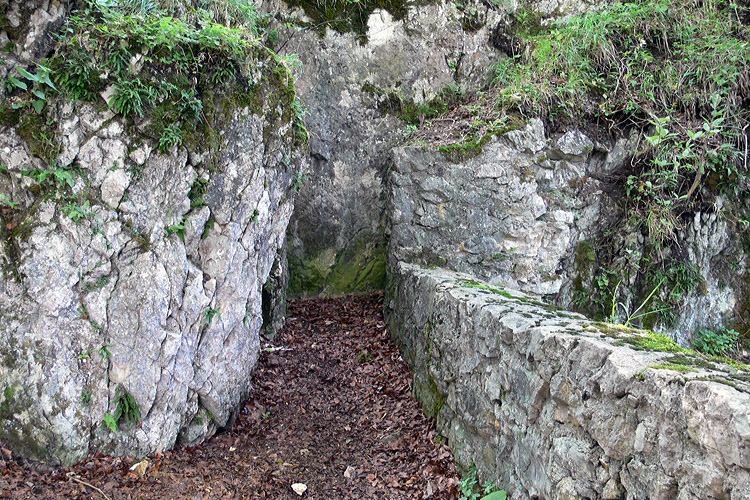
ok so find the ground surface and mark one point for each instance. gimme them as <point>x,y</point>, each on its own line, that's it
<point>334,394</point>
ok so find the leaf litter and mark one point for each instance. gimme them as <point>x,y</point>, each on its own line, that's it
<point>331,408</point>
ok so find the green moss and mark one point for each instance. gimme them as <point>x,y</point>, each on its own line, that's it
<point>40,135</point>
<point>427,393</point>
<point>585,260</point>
<point>483,286</point>
<point>358,268</point>
<point>307,277</point>
<point>653,342</point>
<point>673,367</point>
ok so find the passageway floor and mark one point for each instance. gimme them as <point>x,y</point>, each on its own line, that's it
<point>331,407</point>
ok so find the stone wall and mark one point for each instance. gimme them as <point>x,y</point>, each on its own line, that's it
<point>526,213</point>
<point>336,237</point>
<point>551,406</point>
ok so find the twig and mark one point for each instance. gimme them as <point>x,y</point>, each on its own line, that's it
<point>71,475</point>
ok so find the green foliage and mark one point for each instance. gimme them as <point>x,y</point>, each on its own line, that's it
<point>85,396</point>
<point>209,315</point>
<point>196,193</point>
<point>677,71</point>
<point>40,85</point>
<point>722,342</point>
<point>127,411</point>
<point>300,178</point>
<point>471,490</point>
<point>7,202</point>
<point>131,96</point>
<point>77,212</point>
<point>178,229</point>
<point>364,357</point>
<point>171,136</point>
<point>104,354</point>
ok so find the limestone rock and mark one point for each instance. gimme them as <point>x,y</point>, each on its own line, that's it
<point>567,409</point>
<point>103,298</point>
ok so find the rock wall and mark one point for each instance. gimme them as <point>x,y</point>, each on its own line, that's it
<point>132,277</point>
<point>551,406</point>
<point>336,236</point>
<point>525,213</point>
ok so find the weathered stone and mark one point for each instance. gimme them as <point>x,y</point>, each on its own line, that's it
<point>568,408</point>
<point>101,297</point>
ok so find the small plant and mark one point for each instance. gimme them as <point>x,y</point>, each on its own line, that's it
<point>131,97</point>
<point>364,357</point>
<point>85,396</point>
<point>127,410</point>
<point>60,176</point>
<point>77,212</point>
<point>469,484</point>
<point>178,229</point>
<point>104,353</point>
<point>254,217</point>
<point>40,82</point>
<point>721,342</point>
<point>299,180</point>
<point>209,314</point>
<point>470,489</point>
<point>265,415</point>
<point>171,136</point>
<point>6,202</point>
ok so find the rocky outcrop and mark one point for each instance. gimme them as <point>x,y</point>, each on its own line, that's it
<point>526,211</point>
<point>552,406</point>
<point>354,87</point>
<point>133,272</point>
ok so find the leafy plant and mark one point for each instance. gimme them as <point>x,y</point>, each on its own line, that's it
<point>85,396</point>
<point>77,212</point>
<point>40,83</point>
<point>722,342</point>
<point>170,137</point>
<point>470,489</point>
<point>209,314</point>
<point>60,176</point>
<point>254,217</point>
<point>6,202</point>
<point>131,97</point>
<point>127,410</point>
<point>178,229</point>
<point>104,353</point>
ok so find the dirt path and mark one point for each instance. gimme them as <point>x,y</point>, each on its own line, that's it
<point>334,395</point>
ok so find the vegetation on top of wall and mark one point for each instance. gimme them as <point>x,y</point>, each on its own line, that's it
<point>677,72</point>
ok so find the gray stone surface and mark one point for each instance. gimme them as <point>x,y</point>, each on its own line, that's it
<point>517,213</point>
<point>340,212</point>
<point>117,300</point>
<point>552,406</point>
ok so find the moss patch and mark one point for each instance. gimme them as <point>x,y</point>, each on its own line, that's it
<point>358,268</point>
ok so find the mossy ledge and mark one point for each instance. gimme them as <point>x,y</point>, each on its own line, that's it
<point>517,374</point>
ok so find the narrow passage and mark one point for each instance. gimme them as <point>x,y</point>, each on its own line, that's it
<point>331,408</point>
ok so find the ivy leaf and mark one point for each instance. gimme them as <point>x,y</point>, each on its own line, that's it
<point>38,106</point>
<point>39,94</point>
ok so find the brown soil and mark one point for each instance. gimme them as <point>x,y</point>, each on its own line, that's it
<point>334,393</point>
